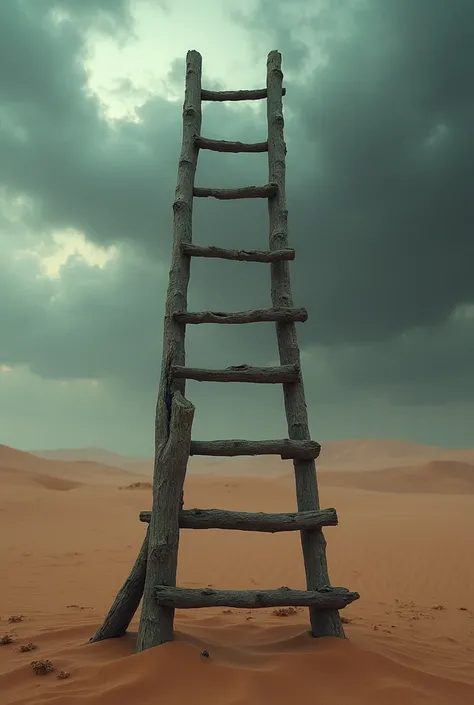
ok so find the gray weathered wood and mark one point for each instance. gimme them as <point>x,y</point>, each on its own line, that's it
<point>172,409</point>
<point>261,315</point>
<point>240,373</point>
<point>192,598</point>
<point>226,146</point>
<point>254,94</point>
<point>326,623</point>
<point>128,599</point>
<point>171,459</point>
<point>285,448</point>
<point>239,255</point>
<point>154,572</point>
<point>251,521</point>
<point>232,194</point>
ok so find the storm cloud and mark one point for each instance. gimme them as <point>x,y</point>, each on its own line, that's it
<point>379,115</point>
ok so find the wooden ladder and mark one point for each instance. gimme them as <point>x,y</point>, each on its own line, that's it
<point>154,572</point>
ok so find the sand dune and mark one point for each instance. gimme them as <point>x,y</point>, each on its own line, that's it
<point>64,554</point>
<point>22,478</point>
<point>440,476</point>
<point>79,471</point>
<point>353,455</point>
<point>94,455</point>
<point>372,454</point>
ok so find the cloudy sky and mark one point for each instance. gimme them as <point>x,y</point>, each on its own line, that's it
<point>380,116</point>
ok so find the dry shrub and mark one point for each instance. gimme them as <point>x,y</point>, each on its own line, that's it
<point>137,486</point>
<point>285,611</point>
<point>6,639</point>
<point>42,667</point>
<point>28,647</point>
<point>16,618</point>
<point>62,675</point>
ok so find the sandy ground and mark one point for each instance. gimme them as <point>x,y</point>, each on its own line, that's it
<point>69,535</point>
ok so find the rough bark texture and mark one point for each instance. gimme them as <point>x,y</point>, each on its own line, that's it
<point>191,598</point>
<point>326,623</point>
<point>255,94</point>
<point>285,448</point>
<point>156,623</point>
<point>127,601</point>
<point>226,146</point>
<point>173,414</point>
<point>251,521</point>
<point>232,194</point>
<point>241,373</point>
<point>239,255</point>
<point>261,315</point>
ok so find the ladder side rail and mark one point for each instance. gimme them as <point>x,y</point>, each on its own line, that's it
<point>174,414</point>
<point>326,622</point>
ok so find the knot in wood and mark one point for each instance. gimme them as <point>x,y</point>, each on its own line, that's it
<point>179,205</point>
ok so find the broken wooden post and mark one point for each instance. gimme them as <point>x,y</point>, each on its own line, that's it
<point>156,621</point>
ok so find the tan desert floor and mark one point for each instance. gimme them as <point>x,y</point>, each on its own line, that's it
<point>69,535</point>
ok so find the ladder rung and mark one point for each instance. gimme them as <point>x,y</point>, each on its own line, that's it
<point>226,146</point>
<point>229,194</point>
<point>240,373</point>
<point>263,315</point>
<point>238,255</point>
<point>334,598</point>
<point>252,521</point>
<point>255,94</point>
<point>286,448</point>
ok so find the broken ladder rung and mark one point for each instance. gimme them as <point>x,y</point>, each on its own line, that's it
<point>333,598</point>
<point>226,146</point>
<point>229,194</point>
<point>240,373</point>
<point>262,315</point>
<point>252,521</point>
<point>268,256</point>
<point>287,449</point>
<point>254,94</point>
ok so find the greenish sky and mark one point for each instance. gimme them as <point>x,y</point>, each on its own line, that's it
<point>379,116</point>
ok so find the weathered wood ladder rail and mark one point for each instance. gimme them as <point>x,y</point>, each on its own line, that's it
<point>154,572</point>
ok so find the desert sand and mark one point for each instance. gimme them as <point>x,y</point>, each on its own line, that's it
<point>69,533</point>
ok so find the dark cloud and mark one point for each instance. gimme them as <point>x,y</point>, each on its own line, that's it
<point>380,173</point>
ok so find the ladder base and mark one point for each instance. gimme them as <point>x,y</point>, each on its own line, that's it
<point>326,598</point>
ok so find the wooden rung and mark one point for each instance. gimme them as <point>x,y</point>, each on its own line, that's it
<point>255,94</point>
<point>333,598</point>
<point>252,521</point>
<point>263,315</point>
<point>228,194</point>
<point>286,448</point>
<point>226,146</point>
<point>240,373</point>
<point>238,255</point>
